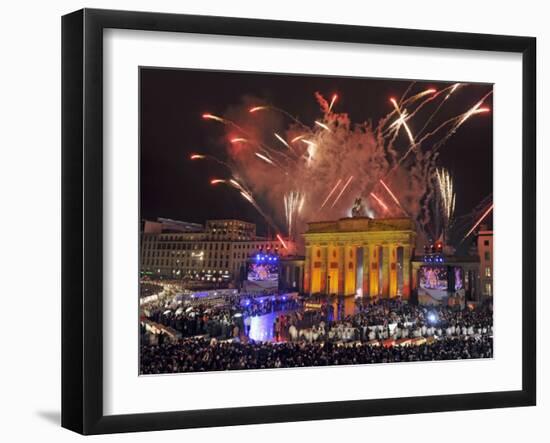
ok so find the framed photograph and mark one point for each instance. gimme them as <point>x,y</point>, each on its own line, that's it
<point>269,221</point>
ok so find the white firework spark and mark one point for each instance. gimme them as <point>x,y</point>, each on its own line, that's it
<point>293,203</point>
<point>324,166</point>
<point>447,197</point>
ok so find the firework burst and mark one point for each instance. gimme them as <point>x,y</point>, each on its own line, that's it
<point>293,203</point>
<point>446,199</point>
<point>320,169</point>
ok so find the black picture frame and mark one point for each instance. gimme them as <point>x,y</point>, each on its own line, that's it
<point>82,218</point>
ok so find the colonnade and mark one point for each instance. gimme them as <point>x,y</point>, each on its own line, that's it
<point>348,268</point>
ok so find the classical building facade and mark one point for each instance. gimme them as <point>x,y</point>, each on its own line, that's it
<point>359,255</point>
<point>485,251</point>
<point>214,253</point>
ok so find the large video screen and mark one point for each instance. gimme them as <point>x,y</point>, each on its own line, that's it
<point>433,277</point>
<point>263,272</point>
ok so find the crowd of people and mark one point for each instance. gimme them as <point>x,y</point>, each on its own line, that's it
<point>202,354</point>
<point>216,337</point>
<point>226,318</point>
<point>147,289</point>
<point>394,319</point>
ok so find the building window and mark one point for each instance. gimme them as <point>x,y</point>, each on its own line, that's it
<point>486,242</point>
<point>488,271</point>
<point>487,256</point>
<point>488,289</point>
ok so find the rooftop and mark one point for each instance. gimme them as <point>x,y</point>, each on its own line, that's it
<point>361,224</point>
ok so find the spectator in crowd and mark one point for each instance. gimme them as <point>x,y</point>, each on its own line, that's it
<point>199,354</point>
<point>215,336</point>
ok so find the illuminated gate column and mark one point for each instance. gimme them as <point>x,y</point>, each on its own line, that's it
<point>333,269</point>
<point>315,270</point>
<point>324,269</point>
<point>341,269</point>
<point>385,271</point>
<point>307,271</point>
<point>373,274</point>
<point>406,271</point>
<point>350,265</point>
<point>392,270</point>
<point>366,269</point>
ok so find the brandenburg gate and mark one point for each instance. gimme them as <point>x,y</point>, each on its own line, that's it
<point>359,255</point>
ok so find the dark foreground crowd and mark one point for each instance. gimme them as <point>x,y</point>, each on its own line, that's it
<point>214,338</point>
<point>202,354</point>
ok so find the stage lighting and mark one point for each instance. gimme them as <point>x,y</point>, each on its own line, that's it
<point>432,317</point>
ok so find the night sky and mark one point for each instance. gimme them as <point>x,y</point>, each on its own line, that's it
<point>171,128</point>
